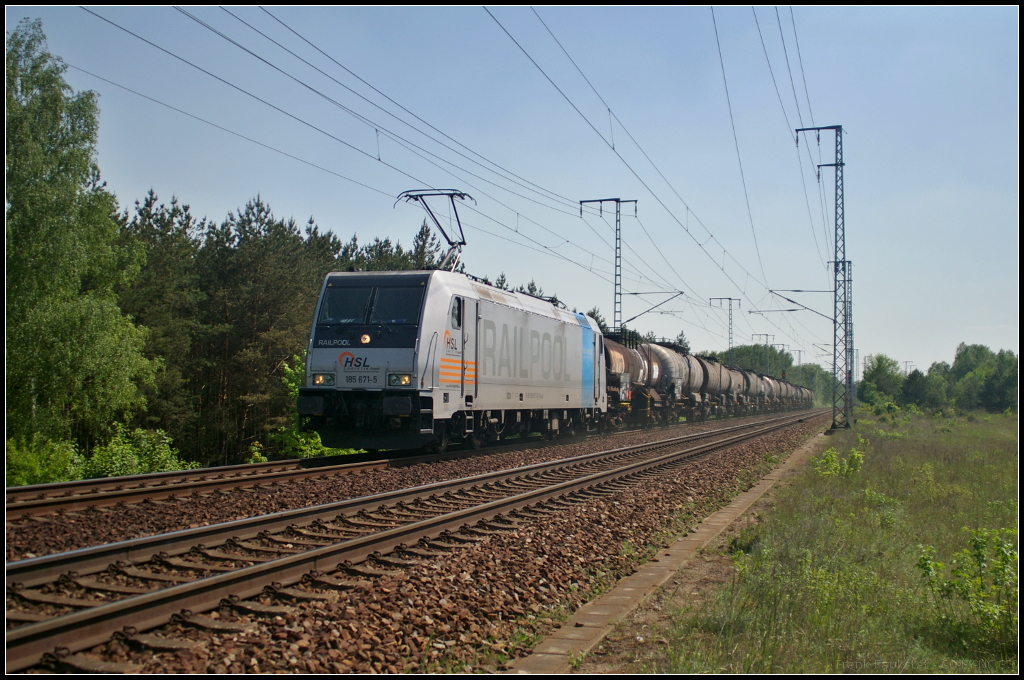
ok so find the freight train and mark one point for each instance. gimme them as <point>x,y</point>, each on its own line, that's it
<point>420,359</point>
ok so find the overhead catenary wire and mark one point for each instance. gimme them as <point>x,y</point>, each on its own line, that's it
<point>377,128</point>
<point>365,153</point>
<point>388,194</point>
<point>515,179</point>
<point>640,179</point>
<point>736,141</point>
<point>568,201</point>
<point>394,166</point>
<point>253,96</point>
<point>792,135</point>
<point>229,131</point>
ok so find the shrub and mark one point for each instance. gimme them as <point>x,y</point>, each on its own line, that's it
<point>135,453</point>
<point>830,465</point>
<point>41,461</point>
<point>256,453</point>
<point>984,578</point>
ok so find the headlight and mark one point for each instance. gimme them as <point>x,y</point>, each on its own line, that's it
<point>399,379</point>
<point>323,379</point>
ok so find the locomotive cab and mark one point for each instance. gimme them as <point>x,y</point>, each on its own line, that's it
<point>361,375</point>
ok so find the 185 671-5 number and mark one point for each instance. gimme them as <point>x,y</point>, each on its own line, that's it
<point>361,379</point>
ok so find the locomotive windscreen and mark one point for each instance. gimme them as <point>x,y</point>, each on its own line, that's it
<point>365,305</point>
<point>398,305</point>
<point>345,305</point>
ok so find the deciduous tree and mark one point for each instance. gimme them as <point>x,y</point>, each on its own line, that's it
<point>74,361</point>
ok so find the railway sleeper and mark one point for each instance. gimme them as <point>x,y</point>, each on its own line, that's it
<point>294,593</point>
<point>36,597</point>
<point>213,625</point>
<point>81,662</point>
<point>194,566</point>
<point>219,555</point>
<point>367,570</point>
<point>158,643</point>
<point>25,617</point>
<point>288,541</point>
<point>256,607</point>
<point>393,560</point>
<point>323,580</point>
<point>133,572</point>
<point>256,547</point>
<point>445,545</point>
<point>93,584</point>
<point>420,552</point>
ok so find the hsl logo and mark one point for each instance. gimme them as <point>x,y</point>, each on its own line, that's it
<point>450,343</point>
<point>349,360</point>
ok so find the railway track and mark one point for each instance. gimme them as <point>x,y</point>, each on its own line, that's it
<point>47,499</point>
<point>71,601</point>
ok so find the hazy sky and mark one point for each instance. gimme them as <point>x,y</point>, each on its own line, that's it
<point>928,99</point>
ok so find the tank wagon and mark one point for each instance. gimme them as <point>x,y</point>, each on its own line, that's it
<point>418,359</point>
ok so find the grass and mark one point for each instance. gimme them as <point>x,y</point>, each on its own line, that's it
<point>897,552</point>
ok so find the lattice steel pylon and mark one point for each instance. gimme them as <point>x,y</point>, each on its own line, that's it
<point>617,306</point>
<point>842,318</point>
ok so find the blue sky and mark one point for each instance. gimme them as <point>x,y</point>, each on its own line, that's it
<point>928,97</point>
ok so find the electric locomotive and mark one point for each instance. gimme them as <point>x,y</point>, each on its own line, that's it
<point>401,360</point>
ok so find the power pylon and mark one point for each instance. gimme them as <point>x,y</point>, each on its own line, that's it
<point>842,319</point>
<point>617,311</point>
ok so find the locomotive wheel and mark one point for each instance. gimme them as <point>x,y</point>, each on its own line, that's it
<point>476,439</point>
<point>441,441</point>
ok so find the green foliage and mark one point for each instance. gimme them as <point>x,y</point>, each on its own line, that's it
<point>292,442</point>
<point>885,408</point>
<point>74,361</point>
<point>882,382</point>
<point>828,580</point>
<point>134,453</point>
<point>682,342</point>
<point>984,577</point>
<point>41,461</point>
<point>762,358</point>
<point>256,454</point>
<point>977,379</point>
<point>829,464</point>
<point>166,298</point>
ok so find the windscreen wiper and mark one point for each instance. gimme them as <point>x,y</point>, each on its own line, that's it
<point>375,314</point>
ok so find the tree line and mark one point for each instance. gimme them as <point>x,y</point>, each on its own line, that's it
<point>129,329</point>
<point>978,379</point>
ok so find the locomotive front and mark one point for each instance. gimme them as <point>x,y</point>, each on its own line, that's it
<point>362,389</point>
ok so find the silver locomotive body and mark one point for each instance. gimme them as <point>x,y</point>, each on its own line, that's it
<point>410,359</point>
